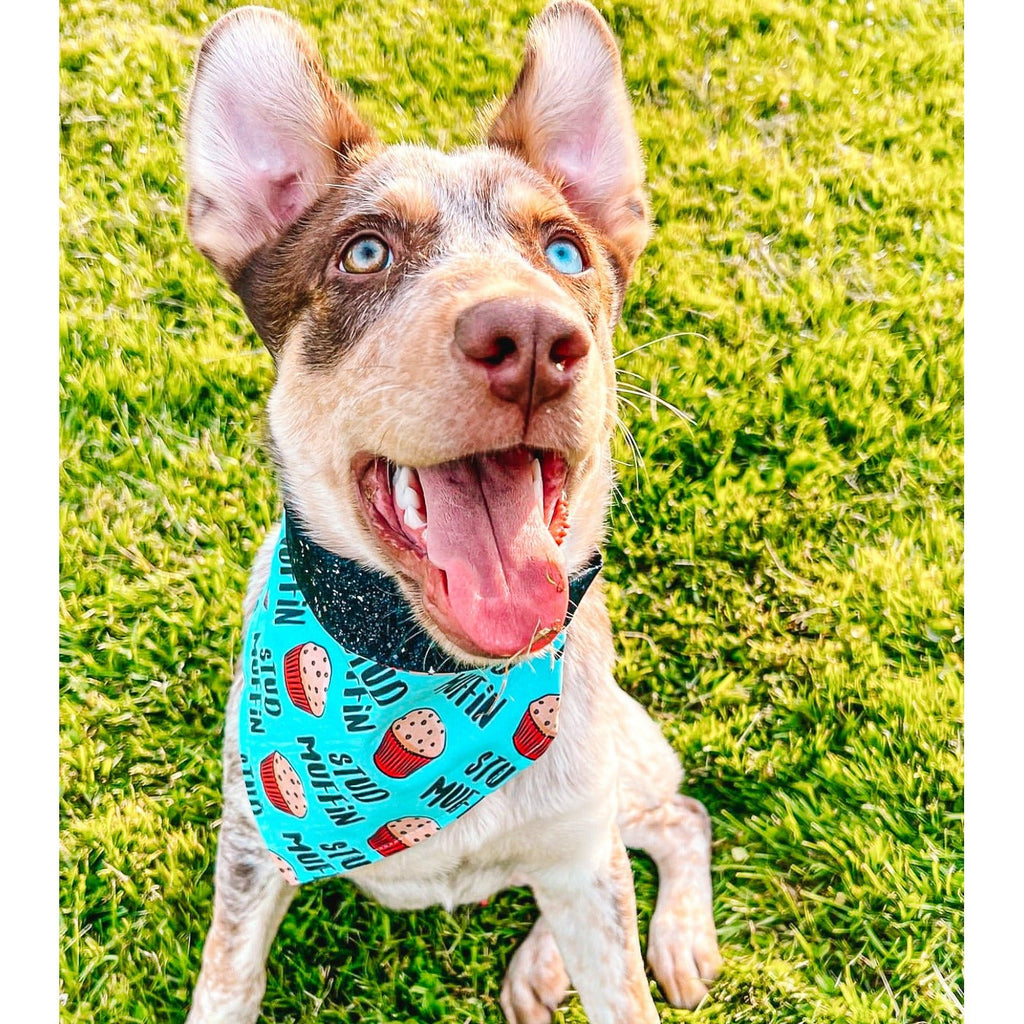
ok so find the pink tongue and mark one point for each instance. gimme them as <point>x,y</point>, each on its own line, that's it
<point>485,530</point>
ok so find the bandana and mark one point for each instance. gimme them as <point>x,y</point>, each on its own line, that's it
<point>359,736</point>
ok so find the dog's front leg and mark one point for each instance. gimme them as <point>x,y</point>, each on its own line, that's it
<point>591,910</point>
<point>250,899</point>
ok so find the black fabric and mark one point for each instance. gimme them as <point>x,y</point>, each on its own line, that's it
<point>366,612</point>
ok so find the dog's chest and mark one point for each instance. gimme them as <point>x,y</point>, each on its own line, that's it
<point>502,842</point>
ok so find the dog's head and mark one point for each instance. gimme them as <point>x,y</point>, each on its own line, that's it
<point>441,323</point>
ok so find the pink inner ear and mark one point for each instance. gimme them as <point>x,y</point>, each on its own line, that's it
<point>275,167</point>
<point>576,159</point>
<point>576,175</point>
<point>287,197</point>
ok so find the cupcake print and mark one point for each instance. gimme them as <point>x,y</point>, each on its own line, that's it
<point>410,742</point>
<point>400,834</point>
<point>282,785</point>
<point>538,727</point>
<point>287,871</point>
<point>307,674</point>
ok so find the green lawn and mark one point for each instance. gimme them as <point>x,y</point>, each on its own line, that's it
<point>785,562</point>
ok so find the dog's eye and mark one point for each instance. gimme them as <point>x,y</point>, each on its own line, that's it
<point>565,256</point>
<point>366,254</point>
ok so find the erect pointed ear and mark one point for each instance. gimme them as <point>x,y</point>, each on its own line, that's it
<point>569,117</point>
<point>265,132</point>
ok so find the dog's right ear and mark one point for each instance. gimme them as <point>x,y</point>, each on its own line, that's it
<point>266,132</point>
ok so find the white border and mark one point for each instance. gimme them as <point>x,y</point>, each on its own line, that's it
<point>28,419</point>
<point>995,506</point>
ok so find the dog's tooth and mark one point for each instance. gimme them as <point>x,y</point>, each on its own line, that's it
<point>409,498</point>
<point>417,489</point>
<point>413,519</point>
<point>538,485</point>
<point>406,495</point>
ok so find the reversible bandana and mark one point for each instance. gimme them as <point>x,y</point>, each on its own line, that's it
<point>359,736</point>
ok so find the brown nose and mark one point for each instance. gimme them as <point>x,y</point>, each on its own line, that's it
<point>529,352</point>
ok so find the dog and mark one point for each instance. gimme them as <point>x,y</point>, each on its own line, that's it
<point>441,417</point>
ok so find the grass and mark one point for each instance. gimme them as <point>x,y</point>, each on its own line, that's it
<point>785,559</point>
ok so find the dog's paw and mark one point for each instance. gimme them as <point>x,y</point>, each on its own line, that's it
<point>682,950</point>
<point>536,981</point>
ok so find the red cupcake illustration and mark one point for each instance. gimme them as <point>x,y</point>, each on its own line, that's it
<point>282,785</point>
<point>285,868</point>
<point>401,833</point>
<point>538,727</point>
<point>307,674</point>
<point>410,742</point>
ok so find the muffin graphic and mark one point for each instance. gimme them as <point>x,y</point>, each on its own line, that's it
<point>400,834</point>
<point>410,742</point>
<point>537,727</point>
<point>307,674</point>
<point>285,868</point>
<point>282,785</point>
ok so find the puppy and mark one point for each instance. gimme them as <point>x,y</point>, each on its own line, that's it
<point>445,394</point>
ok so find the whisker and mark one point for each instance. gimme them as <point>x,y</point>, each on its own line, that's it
<point>378,388</point>
<point>638,459</point>
<point>632,389</point>
<point>664,337</point>
<point>393,418</point>
<point>624,501</point>
<point>622,398</point>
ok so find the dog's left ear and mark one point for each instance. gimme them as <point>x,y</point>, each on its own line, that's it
<point>569,117</point>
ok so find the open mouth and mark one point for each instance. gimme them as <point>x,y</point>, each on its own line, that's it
<point>482,537</point>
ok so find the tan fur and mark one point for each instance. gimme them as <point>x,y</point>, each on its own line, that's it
<point>369,371</point>
<point>409,200</point>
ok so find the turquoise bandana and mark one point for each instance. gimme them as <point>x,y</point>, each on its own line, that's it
<point>361,737</point>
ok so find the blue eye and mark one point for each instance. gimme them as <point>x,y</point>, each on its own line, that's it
<point>565,256</point>
<point>366,254</point>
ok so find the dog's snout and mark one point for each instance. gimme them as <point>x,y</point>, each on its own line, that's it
<point>529,352</point>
